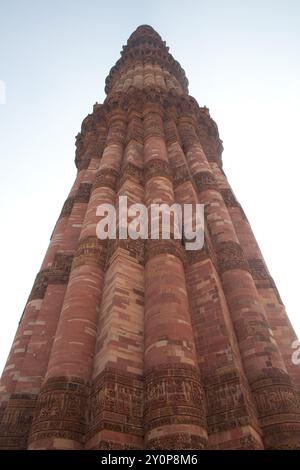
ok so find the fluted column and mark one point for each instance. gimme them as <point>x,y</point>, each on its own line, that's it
<point>268,293</point>
<point>29,356</point>
<point>116,403</point>
<point>69,370</point>
<point>276,399</point>
<point>174,401</point>
<point>58,261</point>
<point>231,415</point>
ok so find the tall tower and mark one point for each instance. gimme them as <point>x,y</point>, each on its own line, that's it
<point>133,344</point>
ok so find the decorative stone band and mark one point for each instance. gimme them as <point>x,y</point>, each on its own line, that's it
<point>58,273</point>
<point>170,247</point>
<point>231,201</point>
<point>195,256</point>
<point>83,193</point>
<point>116,404</point>
<point>170,105</point>
<point>157,167</point>
<point>133,248</point>
<point>67,207</point>
<point>175,389</point>
<point>229,403</point>
<point>40,285</point>
<point>90,250</point>
<point>180,175</point>
<point>278,406</point>
<point>109,444</point>
<point>60,269</point>
<point>133,172</point>
<point>229,198</point>
<point>261,276</point>
<point>258,269</point>
<point>205,180</point>
<point>181,440</point>
<point>230,256</point>
<point>60,411</point>
<point>16,421</point>
<point>106,177</point>
<point>86,150</point>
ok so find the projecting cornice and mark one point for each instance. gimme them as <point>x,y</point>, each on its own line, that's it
<point>168,103</point>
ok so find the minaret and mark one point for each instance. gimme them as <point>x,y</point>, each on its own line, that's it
<point>142,344</point>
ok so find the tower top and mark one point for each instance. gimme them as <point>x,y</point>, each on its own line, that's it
<point>144,46</point>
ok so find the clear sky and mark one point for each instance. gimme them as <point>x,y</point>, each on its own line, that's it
<point>242,59</point>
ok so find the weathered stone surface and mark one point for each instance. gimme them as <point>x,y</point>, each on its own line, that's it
<point>142,344</point>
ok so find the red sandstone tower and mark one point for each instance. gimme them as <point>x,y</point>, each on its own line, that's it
<point>141,344</point>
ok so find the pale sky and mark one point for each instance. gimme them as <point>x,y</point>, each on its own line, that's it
<point>242,60</point>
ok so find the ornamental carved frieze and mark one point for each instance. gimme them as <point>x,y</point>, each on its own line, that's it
<point>90,250</point>
<point>107,178</point>
<point>262,277</point>
<point>116,445</point>
<point>16,421</point>
<point>249,442</point>
<point>86,140</point>
<point>134,248</point>
<point>195,256</point>
<point>67,207</point>
<point>175,441</point>
<point>229,404</point>
<point>230,256</point>
<point>180,388</point>
<point>170,104</point>
<point>60,411</point>
<point>205,180</point>
<point>116,403</point>
<point>229,198</point>
<point>133,172</point>
<point>83,193</point>
<point>180,175</point>
<point>278,406</point>
<point>276,399</point>
<point>168,247</point>
<point>60,269</point>
<point>157,168</point>
<point>282,436</point>
<point>258,269</point>
<point>205,253</point>
<point>40,285</point>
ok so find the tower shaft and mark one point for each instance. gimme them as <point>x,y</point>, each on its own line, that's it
<point>142,344</point>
